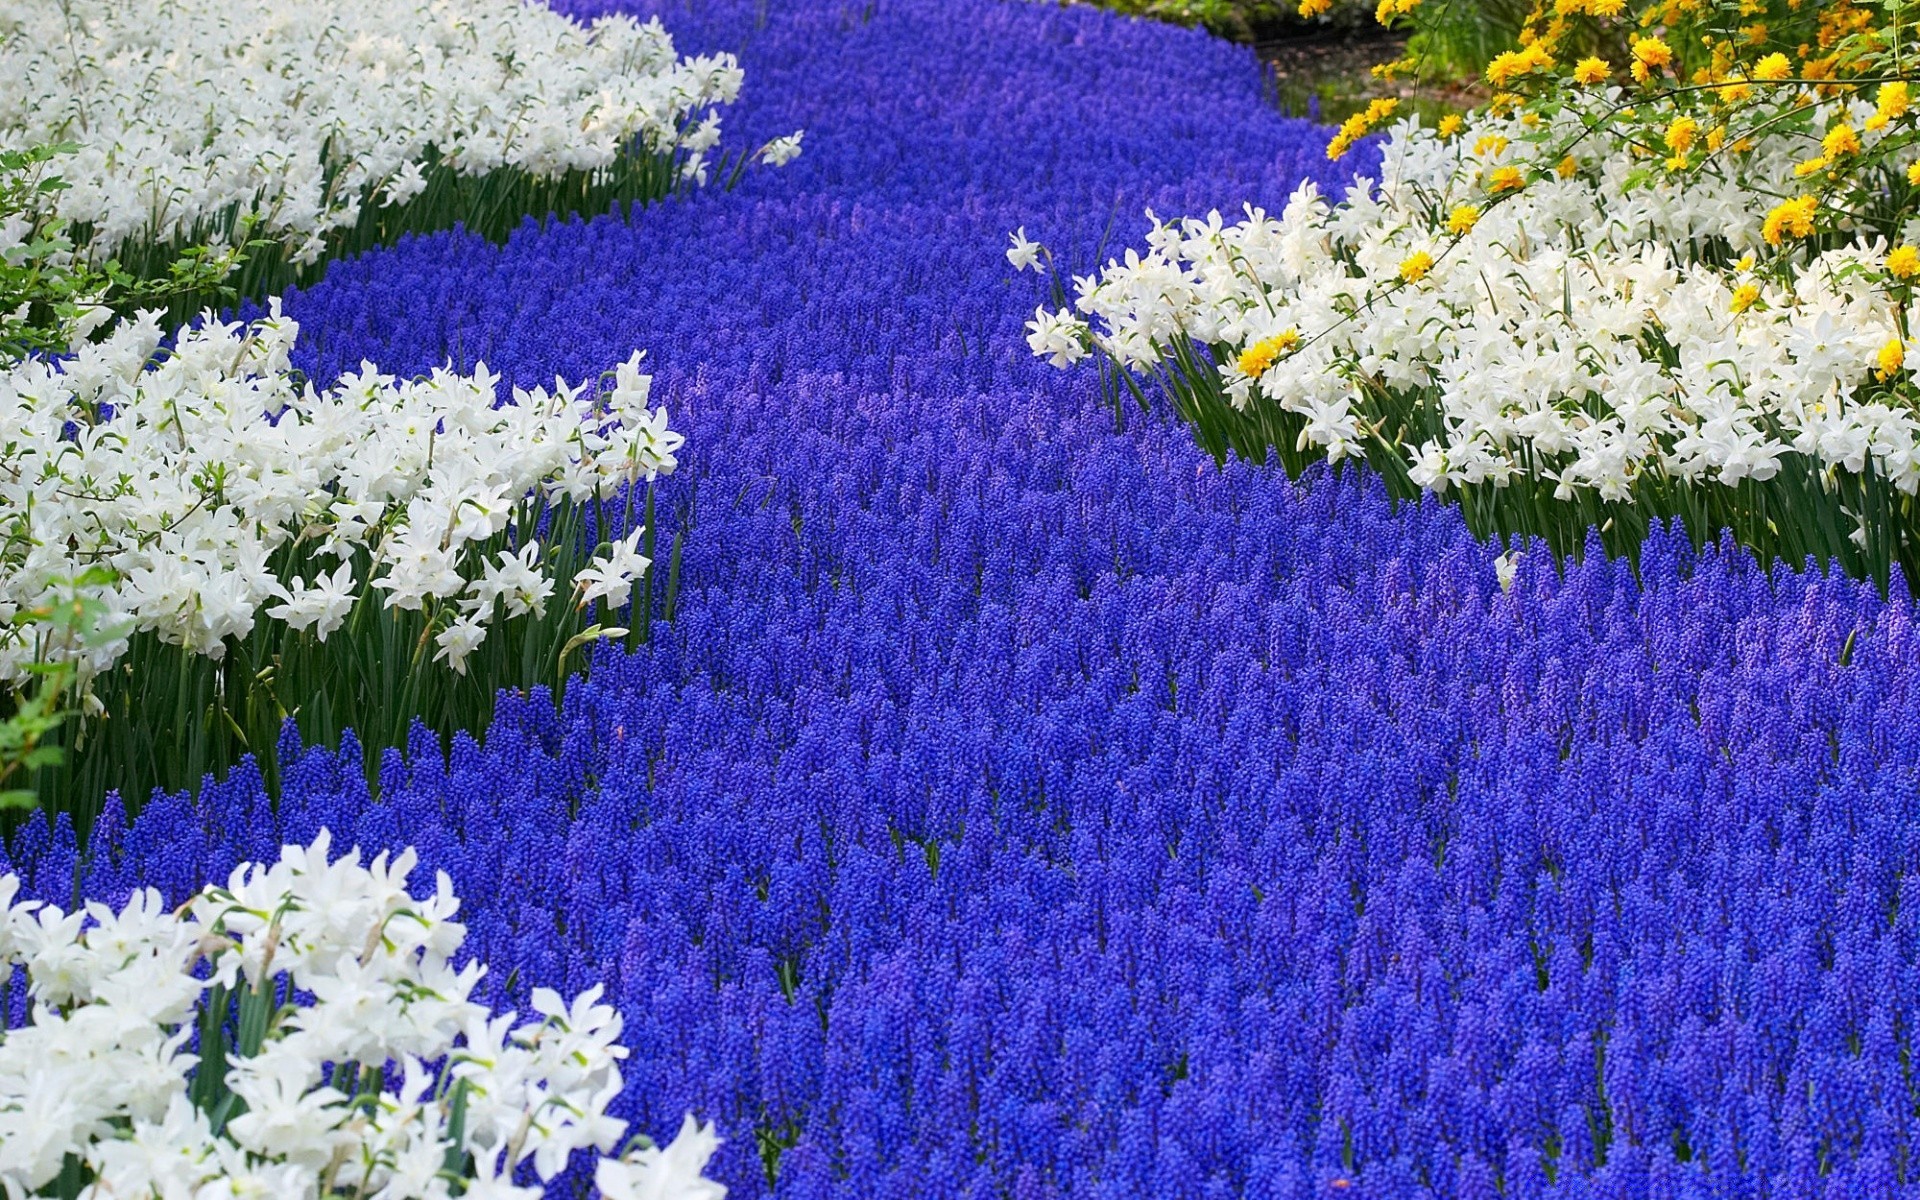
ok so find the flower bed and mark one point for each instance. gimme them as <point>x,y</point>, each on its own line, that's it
<point>1534,311</point>
<point>255,548</point>
<point>239,1045</point>
<point>327,129</point>
<point>1023,806</point>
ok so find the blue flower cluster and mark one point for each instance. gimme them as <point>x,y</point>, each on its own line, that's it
<point>1021,807</point>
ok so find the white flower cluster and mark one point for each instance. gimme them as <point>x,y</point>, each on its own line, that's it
<point>195,475</point>
<point>1584,326</point>
<point>301,113</point>
<point>370,1071</point>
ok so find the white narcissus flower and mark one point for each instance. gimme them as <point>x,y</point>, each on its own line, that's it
<point>191,474</point>
<point>610,576</point>
<point>101,1071</point>
<point>303,114</point>
<point>1588,330</point>
<point>1058,336</point>
<point>782,150</point>
<point>671,1172</point>
<point>1024,255</point>
<point>458,641</point>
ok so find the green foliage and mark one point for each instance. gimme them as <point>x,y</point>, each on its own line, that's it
<point>1803,513</point>
<point>49,293</point>
<point>29,733</point>
<point>173,717</point>
<point>1455,39</point>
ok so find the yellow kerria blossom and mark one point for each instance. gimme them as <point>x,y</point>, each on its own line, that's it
<point>1680,134</point>
<point>1591,70</point>
<point>1461,220</point>
<point>1773,68</point>
<point>1450,124</point>
<point>1812,166</point>
<point>1913,174</point>
<point>1841,139</point>
<point>1255,359</point>
<point>1652,51</point>
<point>1745,264</point>
<point>1606,8</point>
<point>1415,266</point>
<point>1492,145</point>
<point>1744,296</point>
<point>1507,67</point>
<point>1892,357</point>
<point>1904,262</point>
<point>1506,179</point>
<point>1716,137</point>
<point>1567,167</point>
<point>1678,162</point>
<point>1356,126</point>
<point>1893,100</point>
<point>1790,219</point>
<point>1313,8</point>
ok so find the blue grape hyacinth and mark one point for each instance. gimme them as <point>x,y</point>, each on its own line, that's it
<point>1021,806</point>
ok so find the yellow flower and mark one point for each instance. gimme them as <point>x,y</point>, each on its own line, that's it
<point>1812,166</point>
<point>1255,359</point>
<point>1415,266</point>
<point>1790,218</point>
<point>1841,139</point>
<point>1904,262</point>
<point>1460,221</point>
<point>1680,134</point>
<point>1744,296</point>
<point>1506,179</point>
<point>1773,68</point>
<point>1913,174</point>
<point>1507,67</point>
<point>1492,145</point>
<point>1652,51</point>
<point>1736,93</point>
<point>1591,70</point>
<point>1607,8</point>
<point>1892,357</point>
<point>1893,100</point>
<point>1450,124</point>
<point>1567,167</point>
<point>1678,162</point>
<point>1313,8</point>
<point>1745,263</point>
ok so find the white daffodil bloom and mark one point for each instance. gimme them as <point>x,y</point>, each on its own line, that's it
<point>101,1072</point>
<point>1573,330</point>
<point>193,114</point>
<point>189,473</point>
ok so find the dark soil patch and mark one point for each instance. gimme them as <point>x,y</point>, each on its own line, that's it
<point>1327,75</point>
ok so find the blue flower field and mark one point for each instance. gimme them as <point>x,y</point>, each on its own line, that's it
<point>1018,805</point>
